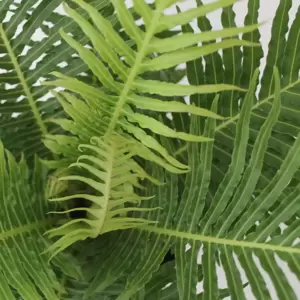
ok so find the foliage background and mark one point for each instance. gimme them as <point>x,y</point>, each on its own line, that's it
<point>268,7</point>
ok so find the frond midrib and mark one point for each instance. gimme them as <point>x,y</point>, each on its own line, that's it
<point>221,241</point>
<point>23,82</point>
<point>133,72</point>
<point>107,189</point>
<point>4,235</point>
<point>257,105</point>
<point>237,116</point>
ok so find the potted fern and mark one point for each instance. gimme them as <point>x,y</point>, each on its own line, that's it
<point>118,181</point>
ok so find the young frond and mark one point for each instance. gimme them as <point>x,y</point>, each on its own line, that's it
<point>111,172</point>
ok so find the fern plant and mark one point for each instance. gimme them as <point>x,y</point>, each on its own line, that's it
<point>114,186</point>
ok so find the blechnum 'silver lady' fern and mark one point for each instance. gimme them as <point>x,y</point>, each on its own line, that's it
<point>108,115</point>
<point>127,185</point>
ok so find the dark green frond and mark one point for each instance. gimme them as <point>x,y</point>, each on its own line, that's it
<point>25,270</point>
<point>283,52</point>
<point>25,62</point>
<point>224,230</point>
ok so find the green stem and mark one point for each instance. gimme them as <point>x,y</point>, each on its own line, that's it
<point>26,228</point>
<point>237,116</point>
<point>133,73</point>
<point>221,241</point>
<point>257,105</point>
<point>23,82</point>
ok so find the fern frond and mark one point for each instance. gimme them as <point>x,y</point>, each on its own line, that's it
<point>114,175</point>
<point>251,56</point>
<point>284,53</point>
<point>117,101</point>
<point>24,62</point>
<point>25,272</point>
<point>228,228</point>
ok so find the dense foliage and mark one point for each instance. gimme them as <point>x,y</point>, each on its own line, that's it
<point>118,181</point>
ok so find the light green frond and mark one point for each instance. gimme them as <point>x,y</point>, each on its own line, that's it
<point>139,270</point>
<point>112,100</point>
<point>113,175</point>
<point>168,22</point>
<point>186,40</point>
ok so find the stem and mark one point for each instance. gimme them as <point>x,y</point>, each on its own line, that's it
<point>237,116</point>
<point>26,228</point>
<point>257,105</point>
<point>221,241</point>
<point>133,73</point>
<point>23,82</point>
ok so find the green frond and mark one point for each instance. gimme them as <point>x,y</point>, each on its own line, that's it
<point>111,172</point>
<point>115,100</point>
<point>283,52</point>
<point>25,272</point>
<point>224,230</point>
<point>227,236</point>
<point>153,186</point>
<point>24,62</point>
<point>251,56</point>
<point>139,268</point>
<point>214,72</point>
<point>232,59</point>
<point>276,47</point>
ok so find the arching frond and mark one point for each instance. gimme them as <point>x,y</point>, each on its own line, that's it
<point>227,229</point>
<point>224,227</point>
<point>154,195</point>
<point>114,101</point>
<point>102,112</point>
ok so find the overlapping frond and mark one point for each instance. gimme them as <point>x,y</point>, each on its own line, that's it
<point>243,179</point>
<point>115,100</point>
<point>224,226</point>
<point>234,230</point>
<point>112,109</point>
<point>283,53</point>
<point>25,271</point>
<point>122,261</point>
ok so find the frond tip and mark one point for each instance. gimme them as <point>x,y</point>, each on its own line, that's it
<point>109,169</point>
